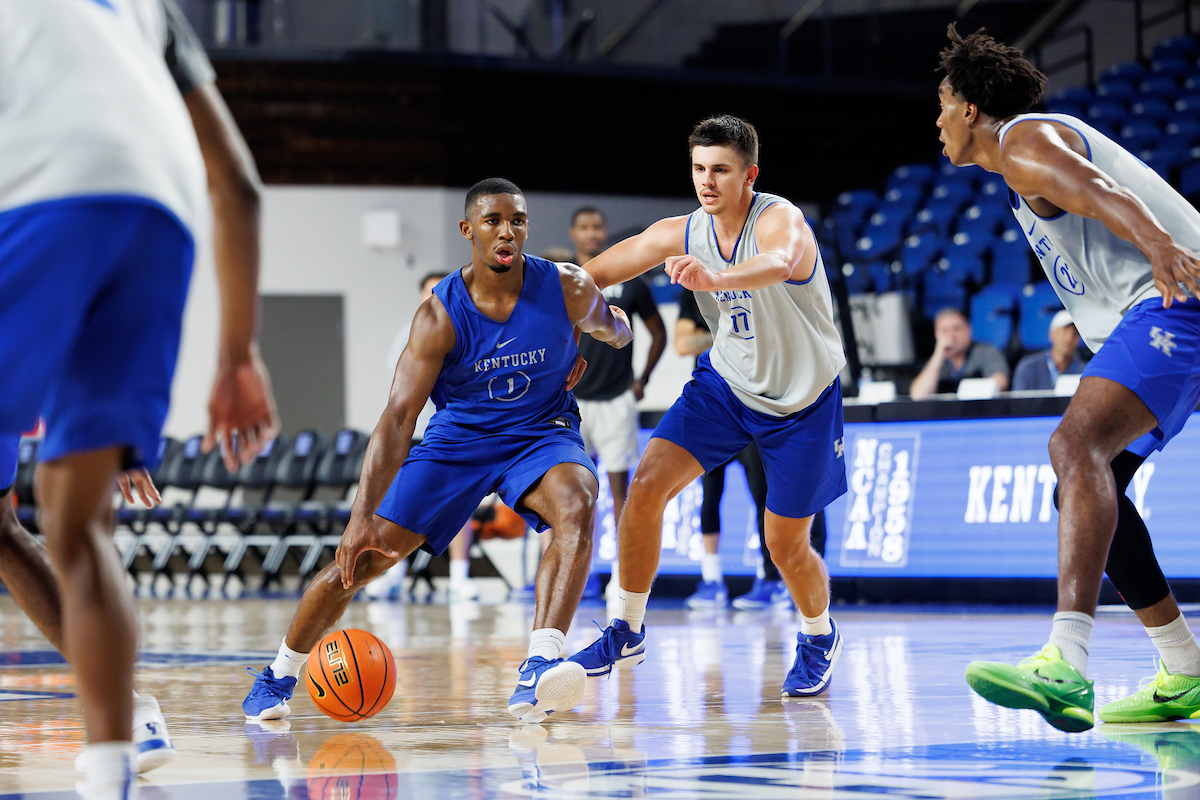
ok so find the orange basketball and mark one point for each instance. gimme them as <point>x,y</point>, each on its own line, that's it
<point>352,766</point>
<point>350,675</point>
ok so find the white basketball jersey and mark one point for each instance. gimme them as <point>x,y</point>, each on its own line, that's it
<point>1098,275</point>
<point>88,107</point>
<point>776,347</point>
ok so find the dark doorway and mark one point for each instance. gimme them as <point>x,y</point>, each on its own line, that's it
<point>303,345</point>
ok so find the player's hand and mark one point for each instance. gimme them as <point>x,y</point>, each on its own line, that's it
<point>361,535</point>
<point>624,329</point>
<point>639,390</point>
<point>139,482</point>
<point>1174,265</point>
<point>690,273</point>
<point>576,372</point>
<point>241,410</point>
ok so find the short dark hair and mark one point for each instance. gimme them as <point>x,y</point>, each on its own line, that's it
<point>995,77</point>
<point>951,311</point>
<point>587,210</point>
<point>430,276</point>
<point>489,186</point>
<point>727,130</point>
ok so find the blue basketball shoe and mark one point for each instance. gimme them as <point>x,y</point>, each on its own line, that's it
<point>268,697</point>
<point>781,597</point>
<point>710,594</point>
<point>815,660</point>
<point>617,646</point>
<point>546,686</point>
<point>758,597</point>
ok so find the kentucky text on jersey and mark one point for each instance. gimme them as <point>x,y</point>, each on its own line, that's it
<point>515,360</point>
<point>736,294</point>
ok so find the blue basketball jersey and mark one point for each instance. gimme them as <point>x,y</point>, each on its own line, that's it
<point>507,374</point>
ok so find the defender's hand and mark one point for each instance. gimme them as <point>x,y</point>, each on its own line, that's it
<point>576,372</point>
<point>139,481</point>
<point>690,273</point>
<point>361,536</point>
<point>241,411</point>
<point>1173,265</point>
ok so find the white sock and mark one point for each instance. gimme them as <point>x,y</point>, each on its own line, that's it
<point>288,663</point>
<point>1072,634</point>
<point>1177,647</point>
<point>818,625</point>
<point>710,568</point>
<point>547,643</point>
<point>107,764</point>
<point>460,570</point>
<point>633,608</point>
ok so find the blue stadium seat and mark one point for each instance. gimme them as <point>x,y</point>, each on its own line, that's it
<point>880,276</point>
<point>961,191</point>
<point>1189,181</point>
<point>1177,47</point>
<point>1115,89</point>
<point>937,217</point>
<point>878,241</point>
<point>889,214</point>
<point>1184,127</point>
<point>1164,86</point>
<point>1038,304</point>
<point>1138,136</point>
<point>911,175</point>
<point>965,245</point>
<point>993,310</point>
<point>1107,111</point>
<point>1176,68</point>
<point>991,208</point>
<point>1074,108</point>
<point>1176,142</point>
<point>962,264</point>
<point>943,288</point>
<point>1151,108</point>
<point>1188,103</point>
<point>1073,94</point>
<point>1126,70</point>
<point>919,251</point>
<point>857,202</point>
<point>1010,259</point>
<point>982,229</point>
<point>994,187</point>
<point>904,194</point>
<point>858,281</point>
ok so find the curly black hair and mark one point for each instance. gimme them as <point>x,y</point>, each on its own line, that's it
<point>995,77</point>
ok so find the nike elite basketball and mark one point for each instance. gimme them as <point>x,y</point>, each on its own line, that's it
<point>350,675</point>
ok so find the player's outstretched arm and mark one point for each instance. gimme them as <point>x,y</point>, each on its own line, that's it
<point>631,257</point>
<point>242,413</point>
<point>588,310</point>
<point>1037,162</point>
<point>786,252</point>
<point>431,339</point>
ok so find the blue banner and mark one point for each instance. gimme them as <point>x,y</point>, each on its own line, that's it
<point>954,498</point>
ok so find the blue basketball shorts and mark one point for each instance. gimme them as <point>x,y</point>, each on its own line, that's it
<point>91,305</point>
<point>445,477</point>
<point>9,445</point>
<point>1155,353</point>
<point>801,453</point>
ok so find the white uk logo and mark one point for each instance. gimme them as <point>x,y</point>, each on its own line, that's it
<point>839,447</point>
<point>1163,340</point>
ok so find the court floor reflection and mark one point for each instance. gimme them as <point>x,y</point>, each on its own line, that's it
<point>701,717</point>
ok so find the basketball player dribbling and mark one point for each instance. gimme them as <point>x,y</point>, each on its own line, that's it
<point>495,349</point>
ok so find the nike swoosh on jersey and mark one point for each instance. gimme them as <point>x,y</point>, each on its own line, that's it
<point>529,682</point>
<point>506,344</point>
<point>626,651</point>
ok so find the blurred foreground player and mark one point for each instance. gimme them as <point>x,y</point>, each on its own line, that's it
<point>495,348</point>
<point>771,378</point>
<point>96,141</point>
<point>1119,246</point>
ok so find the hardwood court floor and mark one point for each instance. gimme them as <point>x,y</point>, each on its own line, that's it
<point>701,718</point>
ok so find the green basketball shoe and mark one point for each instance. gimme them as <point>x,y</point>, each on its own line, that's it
<point>1162,698</point>
<point>1043,682</point>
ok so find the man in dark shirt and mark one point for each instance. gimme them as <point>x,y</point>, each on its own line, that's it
<point>1040,370</point>
<point>957,356</point>
<point>608,393</point>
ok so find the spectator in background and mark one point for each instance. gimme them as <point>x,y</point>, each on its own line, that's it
<point>957,356</point>
<point>390,585</point>
<point>608,393</point>
<point>1041,370</point>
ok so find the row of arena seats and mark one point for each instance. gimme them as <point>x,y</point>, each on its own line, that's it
<point>293,496</point>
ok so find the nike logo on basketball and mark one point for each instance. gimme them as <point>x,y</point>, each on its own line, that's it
<point>505,344</point>
<point>529,682</point>
<point>320,690</point>
<point>627,651</point>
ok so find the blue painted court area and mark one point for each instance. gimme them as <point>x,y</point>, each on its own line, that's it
<point>53,658</point>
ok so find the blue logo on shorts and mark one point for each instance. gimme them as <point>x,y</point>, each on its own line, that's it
<point>1064,278</point>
